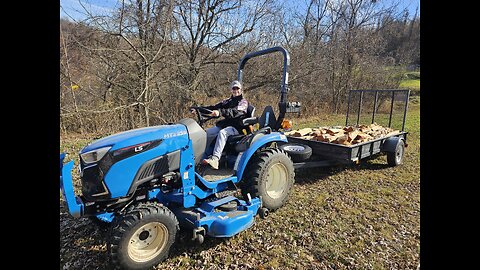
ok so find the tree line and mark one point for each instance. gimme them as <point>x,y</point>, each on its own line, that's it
<point>149,60</point>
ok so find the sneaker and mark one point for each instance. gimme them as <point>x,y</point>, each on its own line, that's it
<point>212,161</point>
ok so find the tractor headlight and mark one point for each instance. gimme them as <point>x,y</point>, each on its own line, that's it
<point>94,155</point>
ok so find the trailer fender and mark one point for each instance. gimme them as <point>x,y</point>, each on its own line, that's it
<point>390,144</point>
<point>244,157</point>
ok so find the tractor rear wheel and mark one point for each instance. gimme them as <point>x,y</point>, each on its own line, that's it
<point>270,174</point>
<point>142,237</point>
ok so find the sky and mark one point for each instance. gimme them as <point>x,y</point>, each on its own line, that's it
<point>73,9</point>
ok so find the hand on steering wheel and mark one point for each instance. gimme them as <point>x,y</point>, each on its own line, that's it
<point>204,114</point>
<point>215,113</point>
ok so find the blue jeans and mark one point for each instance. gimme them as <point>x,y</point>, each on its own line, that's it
<point>222,135</point>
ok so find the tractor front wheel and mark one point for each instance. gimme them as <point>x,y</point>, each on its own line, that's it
<point>142,237</point>
<point>270,174</point>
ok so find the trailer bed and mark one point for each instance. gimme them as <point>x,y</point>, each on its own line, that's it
<point>349,153</point>
<point>362,103</point>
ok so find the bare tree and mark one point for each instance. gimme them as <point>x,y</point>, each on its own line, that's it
<point>129,46</point>
<point>148,23</point>
<point>65,72</point>
<point>348,40</point>
<point>147,61</point>
<point>206,27</point>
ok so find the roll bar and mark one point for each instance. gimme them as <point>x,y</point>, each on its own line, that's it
<point>286,64</point>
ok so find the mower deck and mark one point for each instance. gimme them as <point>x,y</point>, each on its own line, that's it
<point>219,223</point>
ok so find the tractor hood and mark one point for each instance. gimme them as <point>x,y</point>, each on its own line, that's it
<point>137,136</point>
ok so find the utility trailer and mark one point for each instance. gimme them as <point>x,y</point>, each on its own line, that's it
<point>310,153</point>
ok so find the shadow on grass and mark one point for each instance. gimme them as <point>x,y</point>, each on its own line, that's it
<point>310,175</point>
<point>185,244</point>
<point>82,237</point>
<point>82,244</point>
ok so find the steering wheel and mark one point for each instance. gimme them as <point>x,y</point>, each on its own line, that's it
<point>203,114</point>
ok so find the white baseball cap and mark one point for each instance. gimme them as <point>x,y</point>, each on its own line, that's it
<point>236,84</point>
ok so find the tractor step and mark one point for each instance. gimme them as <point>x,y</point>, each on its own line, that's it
<point>212,175</point>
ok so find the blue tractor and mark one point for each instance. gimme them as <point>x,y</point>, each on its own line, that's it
<point>147,183</point>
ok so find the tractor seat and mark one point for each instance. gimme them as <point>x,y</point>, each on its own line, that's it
<point>235,138</point>
<point>249,119</point>
<point>266,121</point>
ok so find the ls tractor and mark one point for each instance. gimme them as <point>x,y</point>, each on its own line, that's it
<point>147,183</point>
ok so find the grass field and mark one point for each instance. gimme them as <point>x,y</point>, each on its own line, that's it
<point>365,216</point>
<point>411,80</point>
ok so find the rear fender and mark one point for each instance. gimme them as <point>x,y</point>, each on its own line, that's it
<point>244,157</point>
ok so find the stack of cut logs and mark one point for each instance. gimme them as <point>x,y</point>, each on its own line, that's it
<point>346,136</point>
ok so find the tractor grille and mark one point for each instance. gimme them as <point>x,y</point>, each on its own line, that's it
<point>93,187</point>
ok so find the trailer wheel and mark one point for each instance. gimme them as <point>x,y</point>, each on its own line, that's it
<point>142,237</point>
<point>270,174</point>
<point>396,158</point>
<point>298,152</point>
